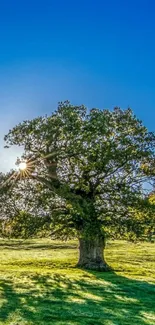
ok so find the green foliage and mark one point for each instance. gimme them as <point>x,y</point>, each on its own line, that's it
<point>144,219</point>
<point>86,169</point>
<point>24,225</point>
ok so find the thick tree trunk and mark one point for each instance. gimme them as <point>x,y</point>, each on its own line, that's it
<point>91,253</point>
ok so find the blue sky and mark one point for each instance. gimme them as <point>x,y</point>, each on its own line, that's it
<point>98,53</point>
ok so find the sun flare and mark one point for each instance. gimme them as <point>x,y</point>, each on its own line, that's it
<point>22,165</point>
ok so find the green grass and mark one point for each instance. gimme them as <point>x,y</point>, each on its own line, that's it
<point>40,285</point>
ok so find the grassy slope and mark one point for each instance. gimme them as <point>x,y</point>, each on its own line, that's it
<point>40,285</point>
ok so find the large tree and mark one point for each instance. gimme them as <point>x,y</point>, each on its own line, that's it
<point>93,165</point>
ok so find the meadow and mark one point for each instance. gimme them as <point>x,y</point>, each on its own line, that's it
<point>40,285</point>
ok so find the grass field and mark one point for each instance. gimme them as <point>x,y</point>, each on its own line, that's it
<point>40,285</point>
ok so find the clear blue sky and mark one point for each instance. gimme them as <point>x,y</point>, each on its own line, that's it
<point>99,53</point>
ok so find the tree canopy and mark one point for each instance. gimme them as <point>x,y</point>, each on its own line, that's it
<point>86,170</point>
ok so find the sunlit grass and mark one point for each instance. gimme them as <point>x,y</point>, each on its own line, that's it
<point>39,284</point>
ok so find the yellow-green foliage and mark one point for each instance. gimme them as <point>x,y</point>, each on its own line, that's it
<point>39,285</point>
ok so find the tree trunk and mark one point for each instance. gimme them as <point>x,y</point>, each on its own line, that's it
<point>91,253</point>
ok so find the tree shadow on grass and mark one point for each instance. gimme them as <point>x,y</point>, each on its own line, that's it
<point>95,299</point>
<point>30,246</point>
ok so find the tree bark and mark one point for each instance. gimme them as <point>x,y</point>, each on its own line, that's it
<point>91,253</point>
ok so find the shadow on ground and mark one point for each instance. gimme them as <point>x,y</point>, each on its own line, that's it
<point>95,299</point>
<point>30,246</point>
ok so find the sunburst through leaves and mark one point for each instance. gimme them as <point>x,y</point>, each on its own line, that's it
<point>23,165</point>
<point>25,168</point>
